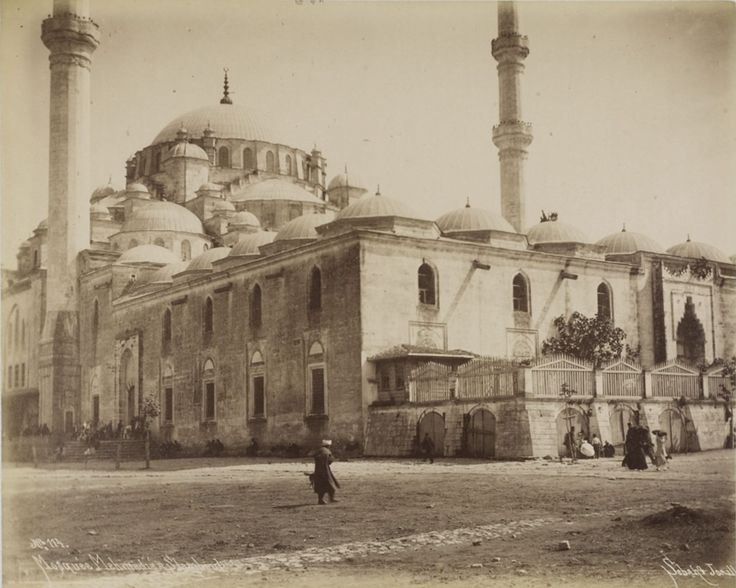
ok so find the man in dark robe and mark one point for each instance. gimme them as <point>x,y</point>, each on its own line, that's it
<point>428,448</point>
<point>322,479</point>
<point>635,447</point>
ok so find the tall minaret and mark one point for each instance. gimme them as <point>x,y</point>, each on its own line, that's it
<point>512,135</point>
<point>71,37</point>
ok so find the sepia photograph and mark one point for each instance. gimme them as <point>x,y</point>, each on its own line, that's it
<point>368,293</point>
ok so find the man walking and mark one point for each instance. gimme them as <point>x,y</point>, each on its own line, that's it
<point>428,448</point>
<point>322,479</point>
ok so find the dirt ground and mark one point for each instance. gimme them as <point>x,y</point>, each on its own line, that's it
<point>241,522</point>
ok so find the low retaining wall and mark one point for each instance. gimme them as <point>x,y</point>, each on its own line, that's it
<point>531,427</point>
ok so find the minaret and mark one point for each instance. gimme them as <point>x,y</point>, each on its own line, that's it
<point>512,135</point>
<point>71,37</point>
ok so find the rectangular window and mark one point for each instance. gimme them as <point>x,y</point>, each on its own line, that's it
<point>22,375</point>
<point>16,371</point>
<point>399,371</point>
<point>385,381</point>
<point>10,376</point>
<point>259,396</point>
<point>168,405</point>
<point>209,413</point>
<point>95,409</point>
<point>318,390</point>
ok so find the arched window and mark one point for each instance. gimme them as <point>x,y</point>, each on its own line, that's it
<point>427,285</point>
<point>255,306</point>
<point>223,157</point>
<point>157,162</point>
<point>166,331</point>
<point>23,334</point>
<point>16,329</point>
<point>186,250</point>
<point>316,385</point>
<point>315,289</point>
<point>248,158</point>
<point>605,302</point>
<point>133,243</point>
<point>95,326</point>
<point>209,399</point>
<point>287,164</point>
<point>208,316</point>
<point>521,294</point>
<point>168,407</point>
<point>160,242</point>
<point>35,258</point>
<point>270,162</point>
<point>257,386</point>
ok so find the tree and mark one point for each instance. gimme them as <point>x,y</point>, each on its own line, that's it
<point>593,339</point>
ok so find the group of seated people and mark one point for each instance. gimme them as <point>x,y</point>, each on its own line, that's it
<point>579,446</point>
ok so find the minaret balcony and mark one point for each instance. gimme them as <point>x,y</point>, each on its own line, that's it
<point>69,32</point>
<point>510,45</point>
<point>514,134</point>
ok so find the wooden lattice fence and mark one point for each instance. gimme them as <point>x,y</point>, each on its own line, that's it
<point>674,379</point>
<point>429,382</point>
<point>551,372</point>
<point>622,378</point>
<point>487,377</point>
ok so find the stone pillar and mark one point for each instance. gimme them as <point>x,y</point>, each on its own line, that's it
<point>71,37</point>
<point>647,384</point>
<point>512,136</point>
<point>598,381</point>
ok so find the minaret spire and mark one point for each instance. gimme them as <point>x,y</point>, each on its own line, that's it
<point>512,135</point>
<point>226,90</point>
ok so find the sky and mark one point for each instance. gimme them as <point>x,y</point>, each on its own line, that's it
<point>631,103</point>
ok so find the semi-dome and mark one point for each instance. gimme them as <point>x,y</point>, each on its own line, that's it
<point>222,205</point>
<point>204,260</point>
<point>102,192</point>
<point>301,228</point>
<point>698,250</point>
<point>276,189</point>
<point>147,254</point>
<point>346,180</point>
<point>468,219</point>
<point>209,187</point>
<point>190,150</point>
<point>165,274</point>
<point>375,205</point>
<point>249,245</point>
<point>555,231</point>
<point>244,219</point>
<point>136,188</point>
<point>227,121</point>
<point>99,211</point>
<point>629,242</point>
<point>163,216</point>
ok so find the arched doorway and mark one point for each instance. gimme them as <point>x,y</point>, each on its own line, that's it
<point>433,423</point>
<point>128,386</point>
<point>690,336</point>
<point>566,420</point>
<point>620,419</point>
<point>672,423</point>
<point>481,434</point>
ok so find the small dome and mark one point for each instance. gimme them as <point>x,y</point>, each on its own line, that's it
<point>147,254</point>
<point>184,149</point>
<point>210,187</point>
<point>554,231</point>
<point>227,121</point>
<point>375,205</point>
<point>25,245</point>
<point>102,192</point>
<point>165,274</point>
<point>99,211</point>
<point>627,242</point>
<point>249,244</point>
<point>301,228</point>
<point>136,188</point>
<point>346,180</point>
<point>43,225</point>
<point>276,189</point>
<point>244,219</point>
<point>222,205</point>
<point>204,260</point>
<point>472,219</point>
<point>698,250</point>
<point>163,216</point>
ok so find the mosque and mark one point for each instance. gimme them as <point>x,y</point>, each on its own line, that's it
<point>253,298</point>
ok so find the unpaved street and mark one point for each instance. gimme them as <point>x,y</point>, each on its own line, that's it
<point>399,522</point>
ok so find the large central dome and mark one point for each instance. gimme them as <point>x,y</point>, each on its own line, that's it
<point>227,121</point>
